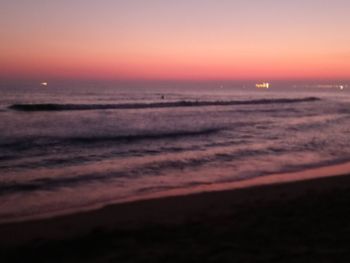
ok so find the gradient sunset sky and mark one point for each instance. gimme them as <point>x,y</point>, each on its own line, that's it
<point>182,39</point>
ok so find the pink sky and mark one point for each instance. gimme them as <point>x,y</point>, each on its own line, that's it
<point>184,39</point>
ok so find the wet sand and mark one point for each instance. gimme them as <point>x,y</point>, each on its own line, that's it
<point>296,217</point>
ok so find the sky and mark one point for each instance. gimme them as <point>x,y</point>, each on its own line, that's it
<point>182,39</point>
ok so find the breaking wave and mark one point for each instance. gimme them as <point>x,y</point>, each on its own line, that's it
<point>70,107</point>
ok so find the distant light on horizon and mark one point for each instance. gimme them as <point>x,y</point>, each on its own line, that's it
<point>322,86</point>
<point>264,85</point>
<point>44,84</point>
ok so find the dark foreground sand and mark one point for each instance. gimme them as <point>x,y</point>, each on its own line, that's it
<point>302,221</point>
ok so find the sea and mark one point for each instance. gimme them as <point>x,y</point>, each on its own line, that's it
<point>68,148</point>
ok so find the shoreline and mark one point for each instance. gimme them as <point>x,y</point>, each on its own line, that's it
<point>268,179</point>
<point>177,206</point>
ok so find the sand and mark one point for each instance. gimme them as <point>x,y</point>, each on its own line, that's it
<point>295,217</point>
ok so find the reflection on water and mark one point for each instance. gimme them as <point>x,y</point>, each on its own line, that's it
<point>54,161</point>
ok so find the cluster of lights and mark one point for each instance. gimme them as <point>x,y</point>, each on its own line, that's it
<point>264,85</point>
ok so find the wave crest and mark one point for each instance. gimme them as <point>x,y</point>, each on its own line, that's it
<point>70,107</point>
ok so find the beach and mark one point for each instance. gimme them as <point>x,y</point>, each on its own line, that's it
<point>124,175</point>
<point>301,219</point>
<point>174,131</point>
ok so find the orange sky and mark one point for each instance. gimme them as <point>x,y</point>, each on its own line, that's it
<point>192,39</point>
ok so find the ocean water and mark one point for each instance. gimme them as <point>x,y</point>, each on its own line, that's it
<point>72,148</point>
